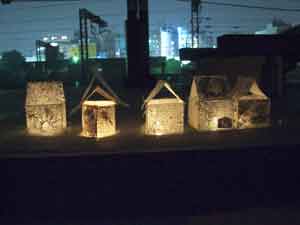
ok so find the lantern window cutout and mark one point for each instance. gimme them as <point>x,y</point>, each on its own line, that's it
<point>45,108</point>
<point>99,116</point>
<point>164,116</point>
<point>252,106</point>
<point>210,105</point>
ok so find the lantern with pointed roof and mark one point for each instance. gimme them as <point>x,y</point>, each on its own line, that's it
<point>99,116</point>
<point>164,116</point>
<point>210,104</point>
<point>252,106</point>
<point>45,108</point>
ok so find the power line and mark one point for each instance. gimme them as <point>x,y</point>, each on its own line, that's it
<point>39,20</point>
<point>57,4</point>
<point>204,2</point>
<point>36,31</point>
<point>250,6</point>
<point>169,11</point>
<point>102,15</point>
<point>63,19</point>
<point>153,12</point>
<point>40,6</point>
<point>212,26</point>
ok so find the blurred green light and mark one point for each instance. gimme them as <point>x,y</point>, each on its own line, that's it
<point>75,59</point>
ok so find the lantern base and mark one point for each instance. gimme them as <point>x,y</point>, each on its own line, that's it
<point>38,132</point>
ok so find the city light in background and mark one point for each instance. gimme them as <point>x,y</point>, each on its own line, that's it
<point>170,30</point>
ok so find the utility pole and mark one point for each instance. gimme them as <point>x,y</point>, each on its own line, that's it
<point>137,36</point>
<point>84,17</point>
<point>51,54</point>
<point>196,6</point>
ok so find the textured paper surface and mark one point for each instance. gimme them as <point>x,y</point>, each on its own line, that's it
<point>45,108</point>
<point>211,107</point>
<point>98,120</point>
<point>164,116</point>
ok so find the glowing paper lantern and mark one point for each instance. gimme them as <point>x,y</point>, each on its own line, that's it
<point>252,106</point>
<point>210,105</point>
<point>164,116</point>
<point>45,108</point>
<point>99,116</point>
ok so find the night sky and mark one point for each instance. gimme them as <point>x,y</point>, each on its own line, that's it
<point>24,22</point>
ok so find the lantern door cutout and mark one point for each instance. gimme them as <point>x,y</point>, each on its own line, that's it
<point>210,106</point>
<point>99,116</point>
<point>45,108</point>
<point>164,116</point>
<point>252,106</point>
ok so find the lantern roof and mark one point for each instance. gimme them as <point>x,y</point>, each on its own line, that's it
<point>247,88</point>
<point>45,93</point>
<point>158,87</point>
<point>210,87</point>
<point>107,93</point>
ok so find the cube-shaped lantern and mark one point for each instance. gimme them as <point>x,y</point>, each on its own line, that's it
<point>98,118</point>
<point>45,108</point>
<point>252,106</point>
<point>164,116</point>
<point>210,106</point>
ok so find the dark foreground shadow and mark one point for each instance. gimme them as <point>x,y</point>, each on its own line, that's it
<point>167,183</point>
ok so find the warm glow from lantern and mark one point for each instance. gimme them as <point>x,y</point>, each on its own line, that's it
<point>98,119</point>
<point>164,117</point>
<point>214,124</point>
<point>210,107</point>
<point>157,128</point>
<point>245,106</point>
<point>102,103</point>
<point>45,108</point>
<point>45,120</point>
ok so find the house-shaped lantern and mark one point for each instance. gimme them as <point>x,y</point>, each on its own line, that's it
<point>45,108</point>
<point>210,106</point>
<point>99,116</point>
<point>164,116</point>
<point>252,106</point>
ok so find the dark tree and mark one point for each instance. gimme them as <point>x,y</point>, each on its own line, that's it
<point>13,61</point>
<point>12,70</point>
